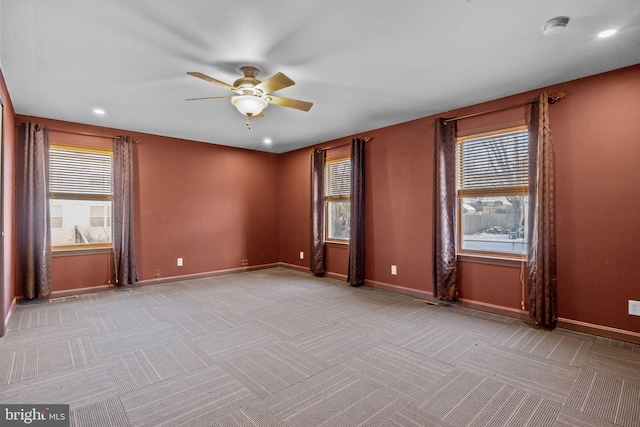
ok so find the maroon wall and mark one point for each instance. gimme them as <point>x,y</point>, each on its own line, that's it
<point>597,143</point>
<point>211,205</point>
<point>8,202</point>
<point>294,198</point>
<point>597,134</point>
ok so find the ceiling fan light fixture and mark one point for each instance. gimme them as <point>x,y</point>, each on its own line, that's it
<point>555,25</point>
<point>249,105</point>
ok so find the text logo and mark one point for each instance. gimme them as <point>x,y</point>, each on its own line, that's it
<point>34,415</point>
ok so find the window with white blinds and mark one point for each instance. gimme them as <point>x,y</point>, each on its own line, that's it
<point>337,184</point>
<point>492,178</point>
<point>81,194</point>
<point>337,178</point>
<point>494,162</point>
<point>76,172</point>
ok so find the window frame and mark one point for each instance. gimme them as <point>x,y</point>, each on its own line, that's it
<point>329,199</point>
<point>83,197</point>
<point>460,194</point>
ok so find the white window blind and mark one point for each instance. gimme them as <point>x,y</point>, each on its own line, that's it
<point>493,162</point>
<point>76,172</point>
<point>337,176</point>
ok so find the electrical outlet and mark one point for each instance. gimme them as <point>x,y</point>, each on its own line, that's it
<point>634,307</point>
<point>179,262</point>
<point>301,255</point>
<point>394,271</point>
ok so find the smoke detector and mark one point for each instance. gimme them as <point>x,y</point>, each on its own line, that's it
<point>555,25</point>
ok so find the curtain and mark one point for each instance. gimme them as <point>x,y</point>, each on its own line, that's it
<point>126,269</point>
<point>444,246</point>
<point>317,212</point>
<point>37,232</point>
<point>541,250</point>
<point>356,231</point>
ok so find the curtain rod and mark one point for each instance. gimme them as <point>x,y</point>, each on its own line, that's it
<point>95,135</point>
<point>366,139</point>
<point>553,98</point>
<point>72,132</point>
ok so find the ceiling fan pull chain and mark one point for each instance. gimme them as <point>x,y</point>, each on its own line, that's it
<point>248,122</point>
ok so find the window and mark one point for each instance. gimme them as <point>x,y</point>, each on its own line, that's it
<point>337,184</point>
<point>492,193</point>
<point>81,194</point>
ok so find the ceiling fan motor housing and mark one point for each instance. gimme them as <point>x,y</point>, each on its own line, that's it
<point>249,80</point>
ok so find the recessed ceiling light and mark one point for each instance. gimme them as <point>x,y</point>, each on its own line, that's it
<point>555,25</point>
<point>267,141</point>
<point>606,33</point>
<point>99,111</point>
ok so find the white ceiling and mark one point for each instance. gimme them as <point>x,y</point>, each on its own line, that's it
<point>365,64</point>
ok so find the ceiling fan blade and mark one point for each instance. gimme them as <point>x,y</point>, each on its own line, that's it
<point>276,82</point>
<point>291,103</point>
<point>210,80</point>
<point>208,97</point>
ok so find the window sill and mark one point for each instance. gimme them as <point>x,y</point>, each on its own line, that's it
<point>494,260</point>
<point>80,251</point>
<point>337,244</point>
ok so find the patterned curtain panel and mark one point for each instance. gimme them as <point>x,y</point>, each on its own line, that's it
<point>37,231</point>
<point>444,247</point>
<point>541,254</point>
<point>126,269</point>
<point>317,212</point>
<point>356,232</point>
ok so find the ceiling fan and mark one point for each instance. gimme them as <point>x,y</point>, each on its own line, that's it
<point>252,95</point>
